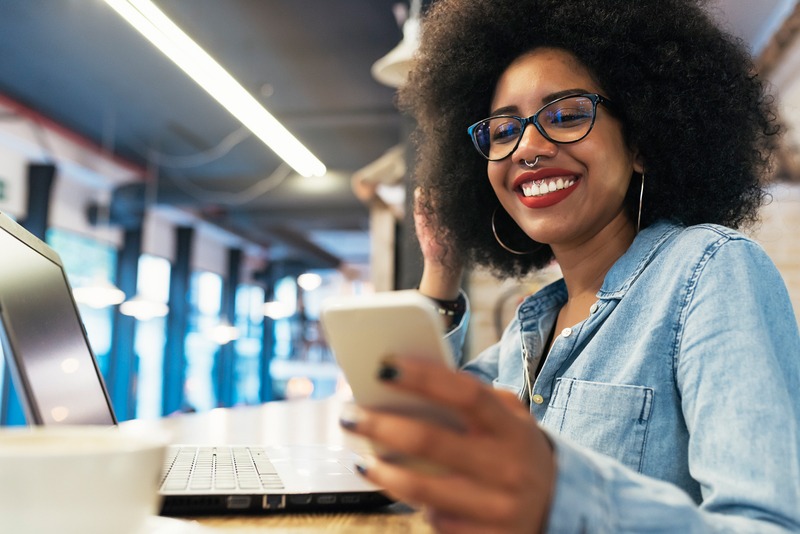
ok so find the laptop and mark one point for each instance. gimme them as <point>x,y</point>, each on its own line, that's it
<point>59,383</point>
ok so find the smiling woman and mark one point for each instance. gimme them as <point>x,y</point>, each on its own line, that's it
<point>666,93</point>
<point>625,141</point>
<point>577,144</point>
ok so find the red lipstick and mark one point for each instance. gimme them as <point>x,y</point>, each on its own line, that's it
<point>540,176</point>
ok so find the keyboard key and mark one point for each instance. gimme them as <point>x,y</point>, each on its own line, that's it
<point>220,468</point>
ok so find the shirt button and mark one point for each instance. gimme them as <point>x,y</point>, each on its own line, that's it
<point>538,399</point>
<point>593,308</point>
<point>566,332</point>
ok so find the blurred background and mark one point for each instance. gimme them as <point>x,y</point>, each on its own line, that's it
<point>211,171</point>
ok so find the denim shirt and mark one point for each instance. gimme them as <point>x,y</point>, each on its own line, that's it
<point>674,406</point>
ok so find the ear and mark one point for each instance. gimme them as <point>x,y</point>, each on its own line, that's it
<point>638,161</point>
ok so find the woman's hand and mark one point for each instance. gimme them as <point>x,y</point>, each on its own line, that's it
<point>498,474</point>
<point>442,269</point>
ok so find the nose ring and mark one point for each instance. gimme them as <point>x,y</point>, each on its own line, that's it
<point>530,165</point>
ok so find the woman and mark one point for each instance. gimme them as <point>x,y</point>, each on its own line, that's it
<point>653,388</point>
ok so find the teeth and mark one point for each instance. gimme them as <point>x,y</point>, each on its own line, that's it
<point>533,190</point>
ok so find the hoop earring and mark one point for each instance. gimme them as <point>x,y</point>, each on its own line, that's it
<point>641,196</point>
<point>506,247</point>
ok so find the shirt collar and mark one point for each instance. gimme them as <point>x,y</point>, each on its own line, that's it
<point>631,264</point>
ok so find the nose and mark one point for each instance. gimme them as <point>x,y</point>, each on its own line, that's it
<point>532,144</point>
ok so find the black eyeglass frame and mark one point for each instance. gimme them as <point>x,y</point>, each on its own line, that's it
<point>534,119</point>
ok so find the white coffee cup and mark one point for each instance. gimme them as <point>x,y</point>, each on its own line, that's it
<point>87,479</point>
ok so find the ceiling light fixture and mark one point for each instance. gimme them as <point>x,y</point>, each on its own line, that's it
<point>100,293</point>
<point>393,68</point>
<point>223,333</point>
<point>143,308</point>
<point>309,281</point>
<point>276,310</point>
<point>157,28</point>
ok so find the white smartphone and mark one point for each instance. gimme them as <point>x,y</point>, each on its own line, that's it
<point>364,330</point>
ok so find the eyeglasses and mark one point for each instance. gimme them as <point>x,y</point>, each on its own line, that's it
<point>565,120</point>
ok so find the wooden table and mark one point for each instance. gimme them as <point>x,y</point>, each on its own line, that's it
<point>284,423</point>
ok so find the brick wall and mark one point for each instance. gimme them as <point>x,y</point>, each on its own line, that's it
<point>493,304</point>
<point>779,234</point>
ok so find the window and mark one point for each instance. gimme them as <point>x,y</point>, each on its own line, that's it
<point>152,283</point>
<point>205,294</point>
<point>285,329</point>
<point>250,323</point>
<point>303,365</point>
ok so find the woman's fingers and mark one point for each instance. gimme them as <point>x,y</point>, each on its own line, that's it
<point>498,426</point>
<point>497,474</point>
<point>405,440</point>
<point>456,504</point>
<point>515,460</point>
<point>478,404</point>
<point>453,495</point>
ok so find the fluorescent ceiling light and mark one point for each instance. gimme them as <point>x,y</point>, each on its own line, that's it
<point>143,309</point>
<point>309,281</point>
<point>278,310</point>
<point>223,333</point>
<point>101,293</point>
<point>157,28</point>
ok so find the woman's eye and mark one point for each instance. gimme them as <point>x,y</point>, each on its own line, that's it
<point>567,117</point>
<point>505,132</point>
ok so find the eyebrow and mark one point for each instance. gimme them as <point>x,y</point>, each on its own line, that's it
<point>545,100</point>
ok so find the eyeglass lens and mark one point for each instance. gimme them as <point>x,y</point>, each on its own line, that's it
<point>564,121</point>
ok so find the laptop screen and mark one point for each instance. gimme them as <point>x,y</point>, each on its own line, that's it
<point>55,372</point>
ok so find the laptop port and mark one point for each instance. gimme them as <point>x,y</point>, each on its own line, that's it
<point>300,499</point>
<point>238,502</point>
<point>273,502</point>
<point>326,499</point>
<point>350,499</point>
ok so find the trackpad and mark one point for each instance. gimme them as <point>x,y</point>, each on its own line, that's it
<point>314,466</point>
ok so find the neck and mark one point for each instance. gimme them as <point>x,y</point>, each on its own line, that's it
<point>584,264</point>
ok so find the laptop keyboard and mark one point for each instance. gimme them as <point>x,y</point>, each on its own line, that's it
<point>219,468</point>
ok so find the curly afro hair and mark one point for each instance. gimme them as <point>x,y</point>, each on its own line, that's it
<point>686,92</point>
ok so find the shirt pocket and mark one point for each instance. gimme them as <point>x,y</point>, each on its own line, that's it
<point>611,419</point>
<point>497,384</point>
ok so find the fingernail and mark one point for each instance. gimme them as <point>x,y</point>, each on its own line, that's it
<point>349,417</point>
<point>361,467</point>
<point>388,372</point>
<point>348,423</point>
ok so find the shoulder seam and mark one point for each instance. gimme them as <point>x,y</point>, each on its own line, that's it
<point>688,296</point>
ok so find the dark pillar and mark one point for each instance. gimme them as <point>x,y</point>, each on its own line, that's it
<point>270,277</point>
<point>225,360</point>
<point>408,257</point>
<point>122,364</point>
<point>266,390</point>
<point>40,185</point>
<point>175,345</point>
